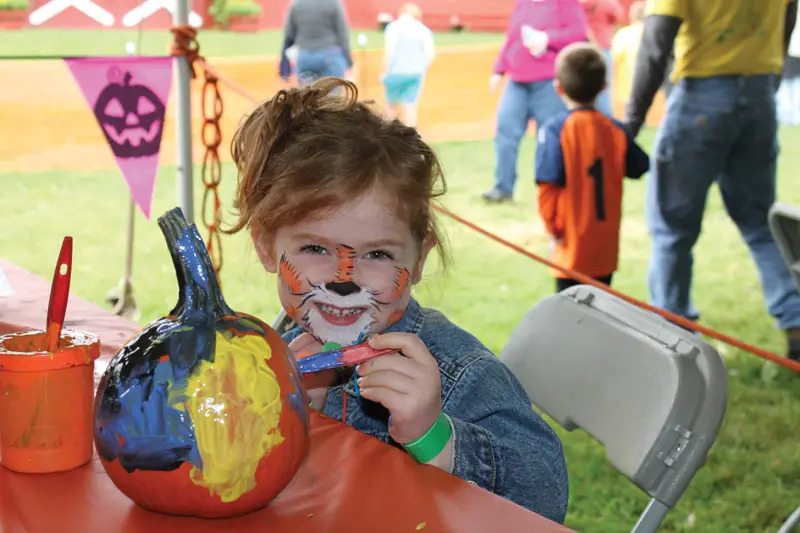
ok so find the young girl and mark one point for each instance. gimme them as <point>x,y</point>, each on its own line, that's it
<point>338,203</point>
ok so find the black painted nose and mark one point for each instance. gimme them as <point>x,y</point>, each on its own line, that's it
<point>342,288</point>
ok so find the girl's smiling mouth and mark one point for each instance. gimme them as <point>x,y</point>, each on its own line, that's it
<point>340,316</point>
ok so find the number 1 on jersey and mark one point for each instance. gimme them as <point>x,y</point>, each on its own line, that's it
<point>596,173</point>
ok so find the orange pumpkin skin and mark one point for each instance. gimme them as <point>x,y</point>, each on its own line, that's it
<point>148,432</point>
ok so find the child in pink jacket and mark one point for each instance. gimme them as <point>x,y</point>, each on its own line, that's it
<point>537,31</point>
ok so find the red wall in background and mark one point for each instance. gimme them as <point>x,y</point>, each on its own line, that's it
<point>475,15</point>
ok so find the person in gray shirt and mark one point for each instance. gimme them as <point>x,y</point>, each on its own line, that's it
<point>318,28</point>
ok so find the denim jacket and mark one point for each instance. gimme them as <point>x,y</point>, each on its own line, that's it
<point>500,443</point>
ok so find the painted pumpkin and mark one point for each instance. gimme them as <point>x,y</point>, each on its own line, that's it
<point>131,116</point>
<point>203,412</point>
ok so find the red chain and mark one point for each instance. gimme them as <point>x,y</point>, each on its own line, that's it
<point>186,44</point>
<point>212,168</point>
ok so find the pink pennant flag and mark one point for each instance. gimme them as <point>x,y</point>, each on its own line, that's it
<point>128,96</point>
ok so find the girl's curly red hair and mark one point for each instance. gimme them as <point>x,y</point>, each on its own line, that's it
<point>308,150</point>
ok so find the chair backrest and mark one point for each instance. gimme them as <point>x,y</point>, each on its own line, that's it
<point>283,323</point>
<point>784,222</point>
<point>652,392</point>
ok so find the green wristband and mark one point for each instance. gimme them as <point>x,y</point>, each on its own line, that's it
<point>432,442</point>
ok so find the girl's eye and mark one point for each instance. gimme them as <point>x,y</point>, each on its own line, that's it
<point>314,249</point>
<point>379,254</point>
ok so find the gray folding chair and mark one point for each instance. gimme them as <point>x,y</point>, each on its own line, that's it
<point>784,222</point>
<point>653,393</point>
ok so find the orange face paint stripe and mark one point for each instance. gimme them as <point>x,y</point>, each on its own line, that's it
<point>293,312</point>
<point>288,274</point>
<point>396,316</point>
<point>346,265</point>
<point>401,280</point>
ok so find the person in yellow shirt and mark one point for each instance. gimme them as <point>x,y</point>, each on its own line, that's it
<point>625,46</point>
<point>721,126</point>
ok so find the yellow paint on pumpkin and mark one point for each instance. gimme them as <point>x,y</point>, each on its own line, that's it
<point>238,386</point>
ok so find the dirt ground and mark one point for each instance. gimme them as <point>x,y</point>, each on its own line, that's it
<point>47,124</point>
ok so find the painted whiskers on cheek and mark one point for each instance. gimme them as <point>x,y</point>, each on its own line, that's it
<point>400,283</point>
<point>288,275</point>
<point>340,310</point>
<point>402,278</point>
<point>331,316</point>
<point>287,272</point>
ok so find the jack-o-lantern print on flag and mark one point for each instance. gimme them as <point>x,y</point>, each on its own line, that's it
<point>128,96</point>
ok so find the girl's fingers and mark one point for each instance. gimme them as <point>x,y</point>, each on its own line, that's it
<point>410,345</point>
<point>394,362</point>
<point>389,379</point>
<point>304,343</point>
<point>390,399</point>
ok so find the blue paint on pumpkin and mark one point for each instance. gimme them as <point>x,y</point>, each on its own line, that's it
<point>135,421</point>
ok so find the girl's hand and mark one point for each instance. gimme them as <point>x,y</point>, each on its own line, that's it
<point>407,384</point>
<point>318,383</point>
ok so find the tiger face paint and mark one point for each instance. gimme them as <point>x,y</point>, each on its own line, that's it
<point>347,275</point>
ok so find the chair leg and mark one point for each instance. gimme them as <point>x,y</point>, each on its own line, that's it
<point>792,522</point>
<point>651,518</point>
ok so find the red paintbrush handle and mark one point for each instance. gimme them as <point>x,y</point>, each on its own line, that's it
<point>59,294</point>
<point>362,352</point>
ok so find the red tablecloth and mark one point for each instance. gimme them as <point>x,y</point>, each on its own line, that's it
<point>350,482</point>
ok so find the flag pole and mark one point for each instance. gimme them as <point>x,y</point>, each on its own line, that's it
<point>121,296</point>
<point>183,119</point>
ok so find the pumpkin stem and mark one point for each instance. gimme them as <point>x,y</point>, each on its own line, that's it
<point>198,286</point>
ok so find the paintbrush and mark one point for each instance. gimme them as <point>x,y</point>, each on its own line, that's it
<point>59,294</point>
<point>347,356</point>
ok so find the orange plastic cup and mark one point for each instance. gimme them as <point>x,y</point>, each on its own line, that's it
<point>46,401</point>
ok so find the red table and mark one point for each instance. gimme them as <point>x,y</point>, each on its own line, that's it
<point>349,481</point>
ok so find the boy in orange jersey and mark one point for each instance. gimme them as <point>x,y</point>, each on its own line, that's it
<point>581,160</point>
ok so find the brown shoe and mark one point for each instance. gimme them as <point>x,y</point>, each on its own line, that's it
<point>793,341</point>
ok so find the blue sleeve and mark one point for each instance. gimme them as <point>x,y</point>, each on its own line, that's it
<point>549,155</point>
<point>637,162</point>
<point>501,444</point>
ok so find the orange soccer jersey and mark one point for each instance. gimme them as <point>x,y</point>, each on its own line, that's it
<point>581,159</point>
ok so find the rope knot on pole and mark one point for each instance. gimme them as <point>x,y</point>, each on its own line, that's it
<point>185,44</point>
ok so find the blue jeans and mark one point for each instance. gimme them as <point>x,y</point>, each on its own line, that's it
<point>315,64</point>
<point>603,102</point>
<point>520,102</point>
<point>721,129</point>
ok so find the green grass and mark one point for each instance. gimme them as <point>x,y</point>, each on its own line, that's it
<point>213,43</point>
<point>752,478</point>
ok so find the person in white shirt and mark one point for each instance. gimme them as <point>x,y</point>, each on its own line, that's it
<point>408,53</point>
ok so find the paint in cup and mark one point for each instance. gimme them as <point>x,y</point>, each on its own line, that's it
<point>46,401</point>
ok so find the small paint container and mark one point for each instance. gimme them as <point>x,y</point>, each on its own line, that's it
<point>46,401</point>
